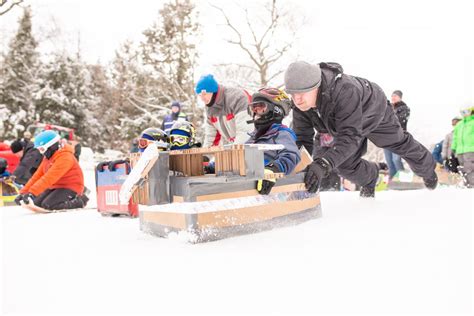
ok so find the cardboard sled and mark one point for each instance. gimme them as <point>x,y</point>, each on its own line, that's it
<point>213,208</point>
<point>175,197</point>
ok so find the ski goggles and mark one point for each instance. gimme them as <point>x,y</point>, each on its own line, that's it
<point>259,107</point>
<point>179,140</point>
<point>42,149</point>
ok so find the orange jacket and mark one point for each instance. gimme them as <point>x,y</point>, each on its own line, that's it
<point>61,171</point>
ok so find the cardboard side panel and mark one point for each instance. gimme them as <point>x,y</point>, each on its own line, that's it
<point>175,220</point>
<point>254,214</point>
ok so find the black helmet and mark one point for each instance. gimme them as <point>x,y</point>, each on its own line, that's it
<point>269,105</point>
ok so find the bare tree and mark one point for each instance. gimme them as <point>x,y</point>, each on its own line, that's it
<point>263,44</point>
<point>6,5</point>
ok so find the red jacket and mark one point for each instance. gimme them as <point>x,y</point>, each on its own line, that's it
<point>61,171</point>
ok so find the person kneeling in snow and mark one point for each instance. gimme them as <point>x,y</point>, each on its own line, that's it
<point>269,107</point>
<point>59,182</point>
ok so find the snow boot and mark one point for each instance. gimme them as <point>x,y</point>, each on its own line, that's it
<point>431,182</point>
<point>79,201</point>
<point>367,192</point>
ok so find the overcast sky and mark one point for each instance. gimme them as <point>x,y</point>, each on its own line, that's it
<point>423,48</point>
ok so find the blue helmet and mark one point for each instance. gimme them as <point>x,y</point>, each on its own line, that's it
<point>46,139</point>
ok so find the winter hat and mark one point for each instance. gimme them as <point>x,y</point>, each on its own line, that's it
<point>207,83</point>
<point>177,104</point>
<point>302,77</point>
<point>399,93</point>
<point>17,146</point>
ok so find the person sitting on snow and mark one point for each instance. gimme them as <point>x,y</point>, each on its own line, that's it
<point>183,136</point>
<point>30,159</point>
<point>268,108</point>
<point>59,182</point>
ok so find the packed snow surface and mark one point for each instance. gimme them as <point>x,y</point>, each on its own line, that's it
<point>404,252</point>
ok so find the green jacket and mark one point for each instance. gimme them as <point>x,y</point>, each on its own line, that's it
<point>463,136</point>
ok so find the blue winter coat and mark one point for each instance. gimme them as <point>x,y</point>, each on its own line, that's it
<point>285,159</point>
<point>170,119</point>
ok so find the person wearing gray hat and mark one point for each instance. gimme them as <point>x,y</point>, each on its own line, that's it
<point>346,111</point>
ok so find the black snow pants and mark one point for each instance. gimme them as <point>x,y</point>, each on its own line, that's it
<point>59,199</point>
<point>388,134</point>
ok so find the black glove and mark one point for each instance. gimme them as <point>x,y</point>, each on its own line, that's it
<point>315,172</point>
<point>18,199</point>
<point>25,197</point>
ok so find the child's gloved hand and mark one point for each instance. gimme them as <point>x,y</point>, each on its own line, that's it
<point>264,187</point>
<point>25,197</point>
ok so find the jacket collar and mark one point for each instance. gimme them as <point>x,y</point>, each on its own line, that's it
<point>272,131</point>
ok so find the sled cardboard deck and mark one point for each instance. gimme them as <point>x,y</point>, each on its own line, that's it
<point>209,208</point>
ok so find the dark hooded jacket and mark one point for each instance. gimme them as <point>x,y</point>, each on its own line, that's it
<point>348,108</point>
<point>29,162</point>
<point>402,111</point>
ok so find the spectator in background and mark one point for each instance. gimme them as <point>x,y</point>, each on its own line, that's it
<point>463,145</point>
<point>436,153</point>
<point>176,115</point>
<point>27,136</point>
<point>451,163</point>
<point>30,159</point>
<point>402,111</point>
<point>78,148</point>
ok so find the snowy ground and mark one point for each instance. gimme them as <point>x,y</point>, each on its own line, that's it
<point>404,252</point>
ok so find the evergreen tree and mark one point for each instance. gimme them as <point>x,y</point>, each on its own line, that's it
<point>170,51</point>
<point>19,81</point>
<point>131,85</point>
<point>67,98</point>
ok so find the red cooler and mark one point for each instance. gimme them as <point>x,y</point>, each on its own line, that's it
<point>108,188</point>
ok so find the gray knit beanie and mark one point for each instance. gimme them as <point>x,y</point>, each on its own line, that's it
<point>302,77</point>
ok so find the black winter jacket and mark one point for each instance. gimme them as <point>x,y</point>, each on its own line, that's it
<point>28,164</point>
<point>403,113</point>
<point>348,108</point>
